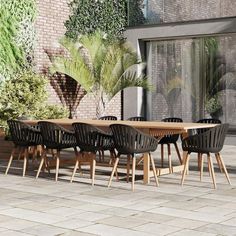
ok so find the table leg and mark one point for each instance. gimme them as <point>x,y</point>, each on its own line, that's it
<point>146,169</point>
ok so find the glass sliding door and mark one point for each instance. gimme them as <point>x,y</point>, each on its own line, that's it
<point>174,69</point>
<point>193,78</point>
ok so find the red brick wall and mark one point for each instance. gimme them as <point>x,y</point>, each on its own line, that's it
<point>50,28</point>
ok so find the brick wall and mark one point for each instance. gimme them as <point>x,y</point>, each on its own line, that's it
<point>50,28</point>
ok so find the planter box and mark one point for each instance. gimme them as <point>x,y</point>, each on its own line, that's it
<point>5,146</point>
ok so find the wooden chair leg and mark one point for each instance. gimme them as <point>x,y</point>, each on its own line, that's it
<point>113,170</point>
<point>75,169</point>
<point>201,161</point>
<point>133,171</point>
<point>26,154</point>
<point>93,168</point>
<point>185,169</point>
<point>224,168</point>
<point>128,168</point>
<point>10,160</point>
<point>154,169</point>
<point>43,159</point>
<point>178,153</point>
<point>162,155</point>
<point>20,152</point>
<point>139,161</point>
<point>57,164</point>
<point>212,169</point>
<point>219,162</point>
<point>169,158</point>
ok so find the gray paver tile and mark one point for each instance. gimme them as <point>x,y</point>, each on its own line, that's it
<point>17,224</point>
<point>157,229</point>
<point>44,230</point>
<point>125,222</point>
<point>105,230</point>
<point>185,223</point>
<point>190,232</point>
<point>219,229</point>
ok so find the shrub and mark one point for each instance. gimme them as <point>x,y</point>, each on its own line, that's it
<point>51,112</point>
<point>26,95</point>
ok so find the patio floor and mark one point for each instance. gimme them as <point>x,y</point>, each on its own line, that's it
<point>44,207</point>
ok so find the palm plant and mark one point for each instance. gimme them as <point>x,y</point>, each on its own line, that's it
<point>102,68</point>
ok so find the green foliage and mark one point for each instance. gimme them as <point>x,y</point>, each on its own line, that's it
<point>25,95</point>
<point>135,13</point>
<point>22,95</point>
<point>51,112</point>
<point>17,35</point>
<point>213,105</point>
<point>11,55</point>
<point>102,68</point>
<point>88,16</point>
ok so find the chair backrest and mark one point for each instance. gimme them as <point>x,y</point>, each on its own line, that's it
<point>108,118</point>
<point>22,134</point>
<point>172,119</point>
<point>170,138</point>
<point>211,140</point>
<point>129,140</point>
<point>137,118</point>
<point>52,134</point>
<point>87,137</point>
<point>207,121</point>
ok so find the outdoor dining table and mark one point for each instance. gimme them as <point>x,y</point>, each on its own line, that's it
<point>154,128</point>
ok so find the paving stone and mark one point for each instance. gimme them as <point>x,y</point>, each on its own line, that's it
<point>218,229</point>
<point>191,233</point>
<point>157,229</point>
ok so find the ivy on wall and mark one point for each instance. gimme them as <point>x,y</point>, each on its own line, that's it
<point>88,16</point>
<point>24,12</point>
<point>17,35</point>
<point>11,55</point>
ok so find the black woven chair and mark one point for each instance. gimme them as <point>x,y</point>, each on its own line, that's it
<point>108,118</point>
<point>136,118</point>
<point>54,139</point>
<point>130,141</point>
<point>23,136</point>
<point>170,139</point>
<point>207,121</point>
<point>211,141</point>
<point>90,140</point>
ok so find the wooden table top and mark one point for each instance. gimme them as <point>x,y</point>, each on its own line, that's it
<point>138,124</point>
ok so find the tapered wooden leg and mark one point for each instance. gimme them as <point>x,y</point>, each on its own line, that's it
<point>198,161</point>
<point>209,167</point>
<point>201,165</point>
<point>128,168</point>
<point>57,164</point>
<point>93,168</point>
<point>224,168</point>
<point>139,161</point>
<point>26,154</point>
<point>133,172</point>
<point>10,160</point>
<point>169,158</point>
<point>154,169</point>
<point>212,169</point>
<point>178,153</point>
<point>113,171</point>
<point>20,152</point>
<point>162,155</point>
<point>43,158</point>
<point>74,171</point>
<point>186,161</point>
<point>219,162</point>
